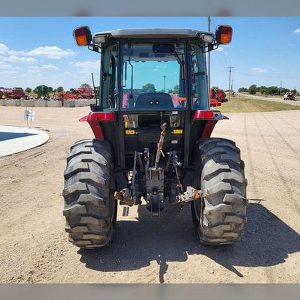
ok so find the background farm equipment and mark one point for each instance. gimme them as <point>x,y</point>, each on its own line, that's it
<point>86,92</point>
<point>15,93</point>
<point>74,94</point>
<point>217,97</point>
<point>289,96</point>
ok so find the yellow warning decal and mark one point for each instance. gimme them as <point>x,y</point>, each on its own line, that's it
<point>177,131</point>
<point>130,132</point>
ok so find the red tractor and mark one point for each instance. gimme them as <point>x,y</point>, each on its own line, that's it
<point>149,147</point>
<point>86,92</point>
<point>18,93</point>
<point>15,93</point>
<point>217,97</point>
<point>67,96</point>
<point>80,93</point>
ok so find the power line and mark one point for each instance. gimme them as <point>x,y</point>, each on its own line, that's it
<point>229,89</point>
<point>266,76</point>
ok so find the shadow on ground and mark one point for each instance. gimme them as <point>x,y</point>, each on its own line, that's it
<point>4,136</point>
<point>267,241</point>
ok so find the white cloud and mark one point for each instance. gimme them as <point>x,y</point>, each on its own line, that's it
<point>4,66</point>
<point>20,59</point>
<point>297,30</point>
<point>49,67</point>
<point>220,49</point>
<point>12,72</point>
<point>51,52</point>
<point>3,48</point>
<point>86,66</point>
<point>34,69</point>
<point>259,70</point>
<point>40,69</point>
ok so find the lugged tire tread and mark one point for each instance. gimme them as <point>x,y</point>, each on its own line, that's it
<point>223,186</point>
<point>87,194</point>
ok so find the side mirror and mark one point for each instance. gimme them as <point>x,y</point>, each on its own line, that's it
<point>82,35</point>
<point>224,34</point>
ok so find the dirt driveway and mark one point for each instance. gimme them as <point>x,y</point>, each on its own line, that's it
<point>34,246</point>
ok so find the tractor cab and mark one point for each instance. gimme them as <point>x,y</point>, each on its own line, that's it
<point>149,77</point>
<point>152,69</point>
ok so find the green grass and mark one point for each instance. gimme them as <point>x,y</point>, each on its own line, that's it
<point>237,104</point>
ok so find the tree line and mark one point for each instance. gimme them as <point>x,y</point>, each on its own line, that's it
<point>271,90</point>
<point>48,89</point>
<point>150,88</point>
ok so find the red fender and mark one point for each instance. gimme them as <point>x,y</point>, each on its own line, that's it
<point>95,118</point>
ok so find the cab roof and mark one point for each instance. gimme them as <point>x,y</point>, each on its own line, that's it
<point>153,33</point>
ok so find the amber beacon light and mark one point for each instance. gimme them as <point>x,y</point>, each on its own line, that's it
<point>224,34</point>
<point>82,35</point>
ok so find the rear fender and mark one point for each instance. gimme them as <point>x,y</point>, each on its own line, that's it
<point>95,119</point>
<point>211,117</point>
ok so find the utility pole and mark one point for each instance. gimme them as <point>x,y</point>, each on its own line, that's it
<point>230,68</point>
<point>164,83</point>
<point>208,56</point>
<point>280,87</point>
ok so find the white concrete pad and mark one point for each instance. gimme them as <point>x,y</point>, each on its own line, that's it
<point>18,139</point>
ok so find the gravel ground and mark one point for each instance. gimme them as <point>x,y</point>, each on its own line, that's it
<point>34,246</point>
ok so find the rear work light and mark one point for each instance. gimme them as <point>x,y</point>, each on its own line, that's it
<point>224,34</point>
<point>82,35</point>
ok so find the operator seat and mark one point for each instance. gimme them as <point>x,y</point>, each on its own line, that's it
<point>153,102</point>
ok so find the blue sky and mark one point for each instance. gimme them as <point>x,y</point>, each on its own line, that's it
<point>38,50</point>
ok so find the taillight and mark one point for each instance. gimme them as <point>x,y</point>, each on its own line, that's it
<point>203,115</point>
<point>82,35</point>
<point>224,34</point>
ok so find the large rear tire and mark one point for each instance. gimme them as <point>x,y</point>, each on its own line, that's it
<point>220,216</point>
<point>90,208</point>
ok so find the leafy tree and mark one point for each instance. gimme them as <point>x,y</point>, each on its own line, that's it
<point>50,89</point>
<point>176,89</point>
<point>170,91</point>
<point>60,89</point>
<point>273,90</point>
<point>41,91</point>
<point>263,89</point>
<point>252,89</point>
<point>149,88</point>
<point>243,90</point>
<point>73,91</point>
<point>215,87</point>
<point>85,85</point>
<point>28,90</point>
<point>294,91</point>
